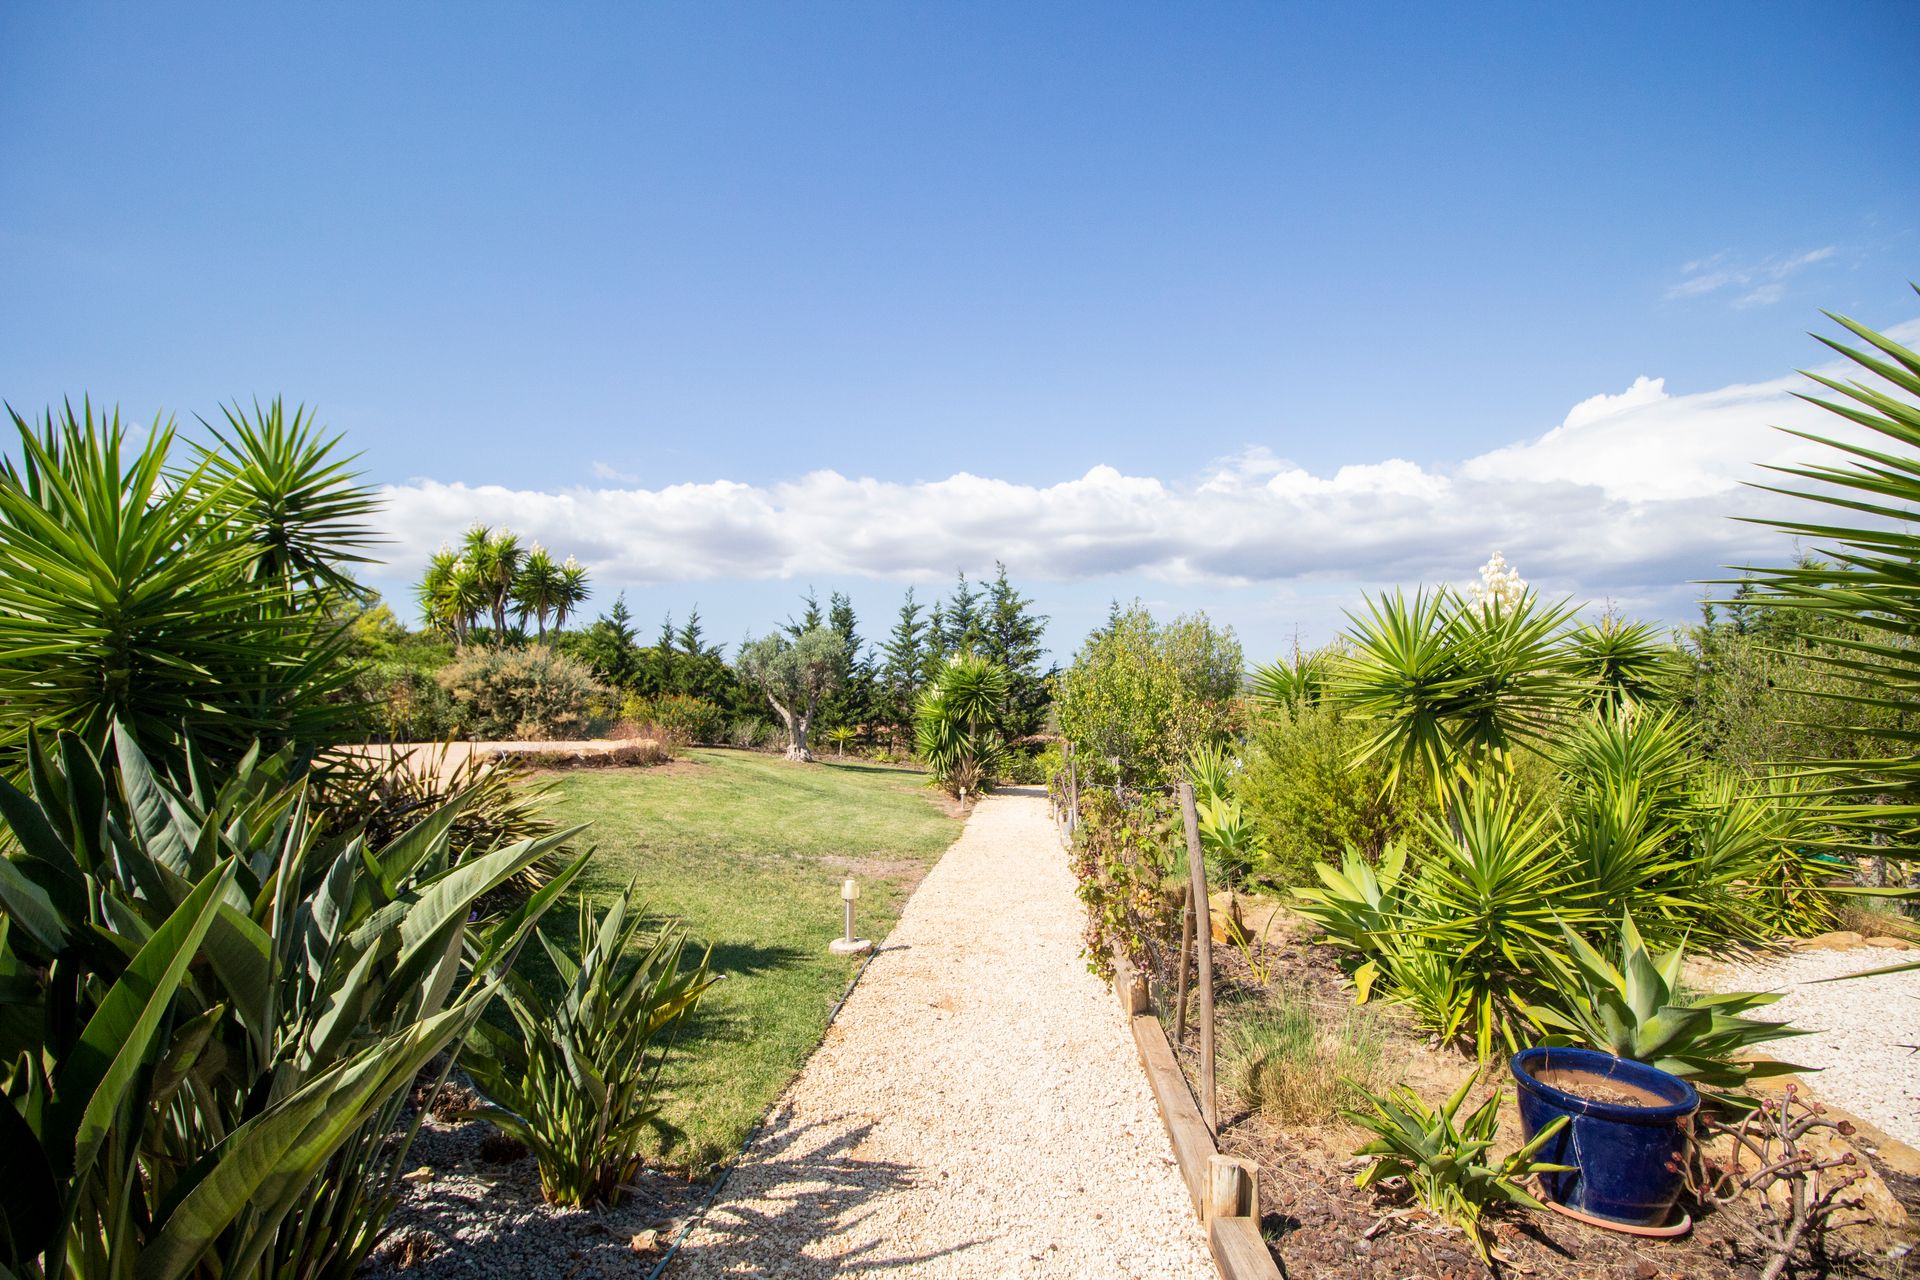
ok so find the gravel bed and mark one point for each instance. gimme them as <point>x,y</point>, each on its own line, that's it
<point>1865,1030</point>
<point>976,1110</point>
<point>481,1219</point>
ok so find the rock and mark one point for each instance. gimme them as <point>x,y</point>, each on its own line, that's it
<point>647,1241</point>
<point>422,1174</point>
<point>1891,944</point>
<point>1837,940</point>
<point>1223,910</point>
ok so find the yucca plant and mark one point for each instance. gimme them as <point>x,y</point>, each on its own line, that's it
<point>1621,665</point>
<point>1448,1164</point>
<point>578,1080</point>
<point>1484,901</point>
<point>954,725</point>
<point>1636,1010</point>
<point>210,1015</point>
<point>1455,687</point>
<point>167,601</point>
<point>1863,576</point>
<point>1360,906</point>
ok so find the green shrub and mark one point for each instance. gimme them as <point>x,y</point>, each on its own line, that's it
<point>750,732</point>
<point>1141,695</point>
<point>679,720</point>
<point>1126,856</point>
<point>1295,1063</point>
<point>577,1082</point>
<point>532,694</point>
<point>214,1014</point>
<point>1449,1166</point>
<point>1304,789</point>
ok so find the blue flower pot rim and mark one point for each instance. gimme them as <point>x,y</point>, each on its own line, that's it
<point>1596,1062</point>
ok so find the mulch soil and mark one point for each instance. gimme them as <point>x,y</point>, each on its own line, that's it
<point>1320,1226</point>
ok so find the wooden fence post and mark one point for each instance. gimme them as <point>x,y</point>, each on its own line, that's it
<point>1203,937</point>
<point>1186,960</point>
<point>1073,792</point>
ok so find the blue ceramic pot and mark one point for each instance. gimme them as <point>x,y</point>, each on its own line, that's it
<point>1628,1158</point>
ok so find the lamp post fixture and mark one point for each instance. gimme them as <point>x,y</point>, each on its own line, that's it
<point>847,944</point>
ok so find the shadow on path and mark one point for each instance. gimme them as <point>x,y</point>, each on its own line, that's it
<point>806,1183</point>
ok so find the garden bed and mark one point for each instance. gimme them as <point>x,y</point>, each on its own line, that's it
<point>1317,1223</point>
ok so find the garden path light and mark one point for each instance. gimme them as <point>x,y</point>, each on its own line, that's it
<point>847,944</point>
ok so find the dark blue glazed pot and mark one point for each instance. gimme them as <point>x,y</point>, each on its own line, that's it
<point>1628,1160</point>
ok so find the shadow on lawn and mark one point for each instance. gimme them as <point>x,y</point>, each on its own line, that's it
<point>806,1184</point>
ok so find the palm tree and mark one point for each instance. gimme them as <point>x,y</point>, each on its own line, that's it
<point>494,559</point>
<point>572,594</point>
<point>536,590</point>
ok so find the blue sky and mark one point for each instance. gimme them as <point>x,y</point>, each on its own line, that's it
<point>1230,307</point>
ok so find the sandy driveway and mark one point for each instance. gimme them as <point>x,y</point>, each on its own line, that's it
<point>976,1110</point>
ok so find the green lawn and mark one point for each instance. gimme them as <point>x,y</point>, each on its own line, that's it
<point>750,851</point>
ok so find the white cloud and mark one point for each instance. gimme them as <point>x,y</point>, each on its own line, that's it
<point>1763,280</point>
<point>1630,495</point>
<point>603,471</point>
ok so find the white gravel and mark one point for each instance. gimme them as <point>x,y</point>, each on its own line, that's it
<point>1866,1030</point>
<point>977,1109</point>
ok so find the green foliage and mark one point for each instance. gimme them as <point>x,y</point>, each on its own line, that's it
<point>794,674</point>
<point>1453,687</point>
<point>532,693</point>
<point>680,720</point>
<point>1140,696</point>
<point>1449,1164</point>
<point>1296,1063</point>
<point>174,602</point>
<point>1622,665</point>
<point>954,726</point>
<point>1636,1010</point>
<point>1864,587</point>
<point>1304,789</point>
<point>577,1080</point>
<point>490,577</point>
<point>1233,842</point>
<point>1125,854</point>
<point>1483,902</point>
<point>212,1014</point>
<point>377,795</point>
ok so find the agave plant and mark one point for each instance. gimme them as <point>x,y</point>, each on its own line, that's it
<point>578,1082</point>
<point>1448,1163</point>
<point>1636,1010</point>
<point>210,1016</point>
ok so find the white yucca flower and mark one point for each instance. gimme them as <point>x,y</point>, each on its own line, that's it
<point>1499,583</point>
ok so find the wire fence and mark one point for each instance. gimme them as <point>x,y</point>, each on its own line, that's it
<point>1142,870</point>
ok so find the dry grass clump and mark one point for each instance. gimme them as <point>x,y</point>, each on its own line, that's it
<point>1295,1062</point>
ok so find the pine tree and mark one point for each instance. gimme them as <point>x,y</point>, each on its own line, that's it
<point>809,620</point>
<point>1011,637</point>
<point>963,617</point>
<point>848,705</point>
<point>688,641</point>
<point>939,644</point>
<point>902,665</point>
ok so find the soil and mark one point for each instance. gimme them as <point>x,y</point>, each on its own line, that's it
<point>1319,1225</point>
<point>1599,1088</point>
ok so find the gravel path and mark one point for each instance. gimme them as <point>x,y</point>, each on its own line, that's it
<point>976,1110</point>
<point>1866,1029</point>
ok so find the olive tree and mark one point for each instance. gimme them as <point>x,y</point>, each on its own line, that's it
<point>794,674</point>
